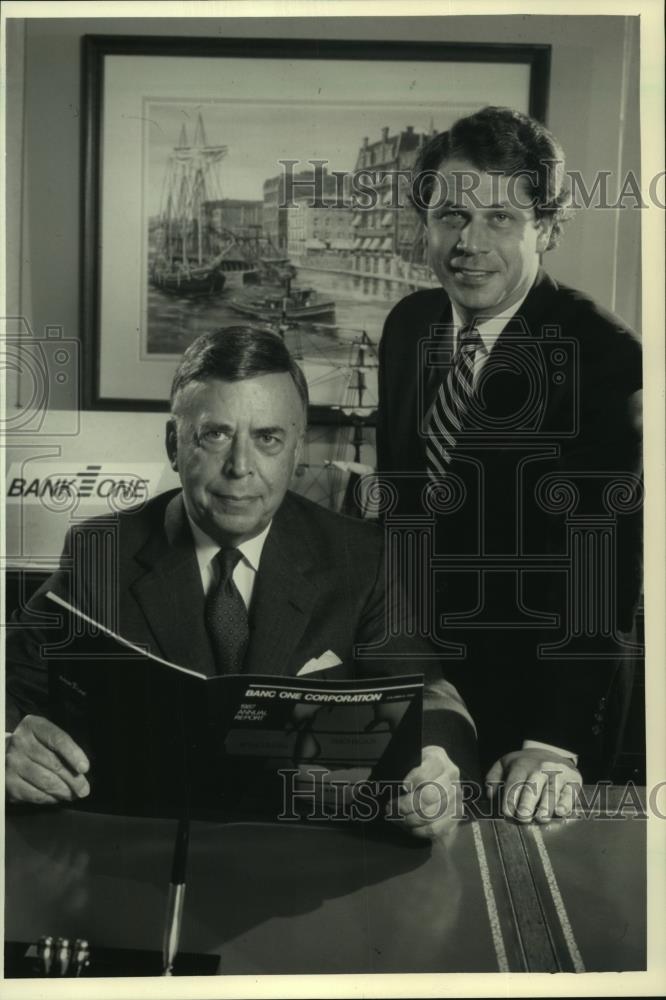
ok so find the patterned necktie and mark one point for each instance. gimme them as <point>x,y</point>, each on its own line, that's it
<point>226,616</point>
<point>447,412</point>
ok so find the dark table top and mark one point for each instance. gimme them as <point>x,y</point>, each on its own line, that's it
<point>288,898</point>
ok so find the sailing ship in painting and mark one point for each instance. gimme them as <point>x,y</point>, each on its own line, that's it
<point>358,405</point>
<point>190,256</point>
<point>183,263</point>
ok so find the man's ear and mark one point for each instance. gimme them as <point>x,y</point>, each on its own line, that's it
<point>171,443</point>
<point>545,227</point>
<point>298,450</point>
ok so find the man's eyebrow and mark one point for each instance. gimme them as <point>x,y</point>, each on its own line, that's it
<point>276,429</point>
<point>215,425</point>
<point>462,207</point>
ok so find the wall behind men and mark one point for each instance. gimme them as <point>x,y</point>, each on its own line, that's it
<point>593,110</point>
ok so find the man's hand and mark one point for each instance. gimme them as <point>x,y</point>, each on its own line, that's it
<point>538,784</point>
<point>43,765</point>
<point>429,803</point>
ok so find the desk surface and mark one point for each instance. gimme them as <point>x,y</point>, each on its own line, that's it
<point>282,898</point>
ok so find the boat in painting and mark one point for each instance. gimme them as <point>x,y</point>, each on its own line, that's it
<point>288,303</point>
<point>184,261</point>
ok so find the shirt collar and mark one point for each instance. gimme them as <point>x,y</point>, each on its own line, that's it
<point>206,549</point>
<point>489,329</point>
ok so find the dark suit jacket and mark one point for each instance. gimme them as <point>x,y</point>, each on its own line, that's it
<point>320,586</point>
<point>556,403</point>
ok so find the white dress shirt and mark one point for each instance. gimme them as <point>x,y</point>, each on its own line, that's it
<point>489,330</point>
<point>246,568</point>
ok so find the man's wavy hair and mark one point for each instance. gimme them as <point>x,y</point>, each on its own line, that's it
<point>232,354</point>
<point>499,140</point>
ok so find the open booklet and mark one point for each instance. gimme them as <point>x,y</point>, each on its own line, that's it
<point>163,738</point>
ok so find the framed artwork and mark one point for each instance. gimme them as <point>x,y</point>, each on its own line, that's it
<point>262,182</point>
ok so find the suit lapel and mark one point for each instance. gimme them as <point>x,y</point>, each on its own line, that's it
<point>445,341</point>
<point>285,593</point>
<point>170,593</point>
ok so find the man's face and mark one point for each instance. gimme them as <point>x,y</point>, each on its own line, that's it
<point>235,446</point>
<point>483,239</point>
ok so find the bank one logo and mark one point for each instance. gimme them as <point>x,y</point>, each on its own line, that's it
<point>58,485</point>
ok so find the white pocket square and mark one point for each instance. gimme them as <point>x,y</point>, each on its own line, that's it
<point>323,662</point>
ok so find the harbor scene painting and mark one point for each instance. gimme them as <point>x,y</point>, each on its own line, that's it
<point>283,244</point>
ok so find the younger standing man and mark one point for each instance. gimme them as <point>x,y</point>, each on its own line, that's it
<point>508,416</point>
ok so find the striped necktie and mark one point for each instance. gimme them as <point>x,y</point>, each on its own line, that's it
<point>226,616</point>
<point>447,412</point>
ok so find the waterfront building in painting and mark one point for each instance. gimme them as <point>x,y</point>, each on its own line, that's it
<point>386,229</point>
<point>314,228</point>
<point>279,214</point>
<point>273,215</point>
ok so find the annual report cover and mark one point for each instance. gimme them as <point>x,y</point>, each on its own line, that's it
<point>163,738</point>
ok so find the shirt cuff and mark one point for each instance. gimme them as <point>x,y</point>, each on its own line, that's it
<point>448,729</point>
<point>536,745</point>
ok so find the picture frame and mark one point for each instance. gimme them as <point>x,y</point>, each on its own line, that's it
<point>184,115</point>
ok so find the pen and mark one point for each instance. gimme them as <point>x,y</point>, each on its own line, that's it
<point>176,898</point>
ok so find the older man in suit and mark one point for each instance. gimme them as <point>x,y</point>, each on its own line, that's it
<point>233,574</point>
<point>508,418</point>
